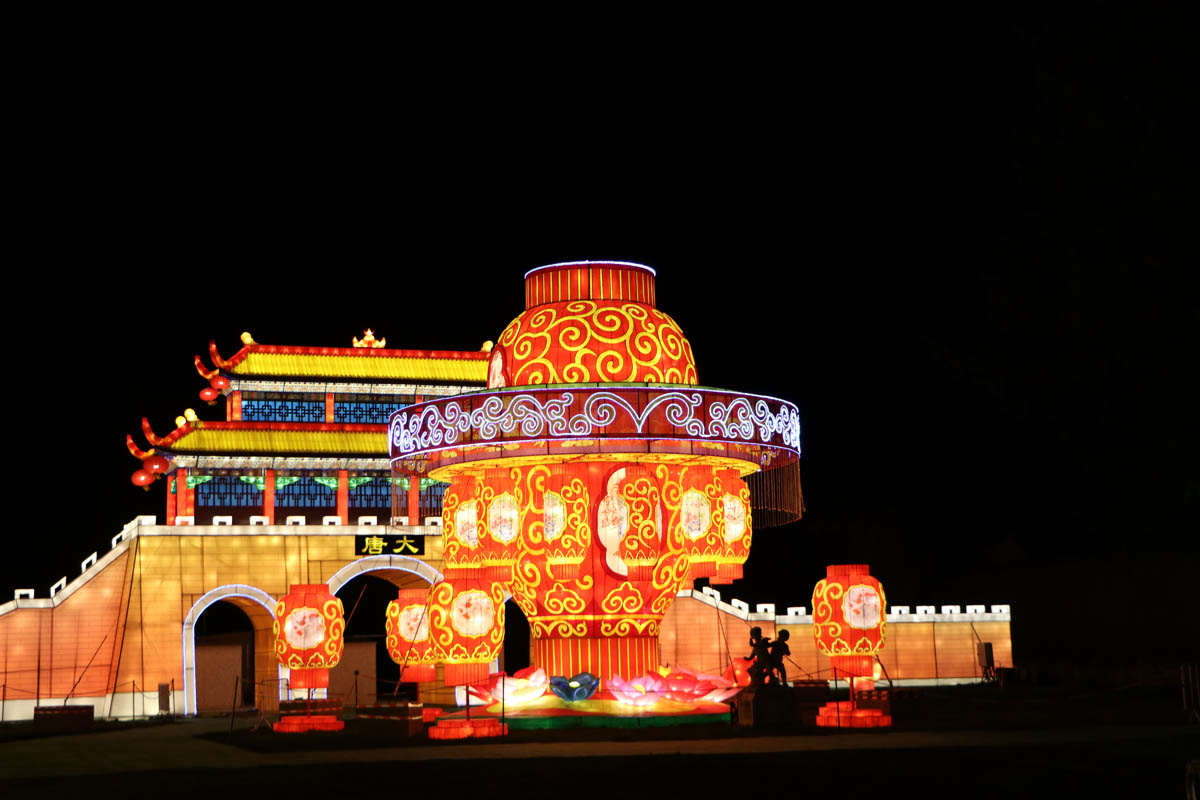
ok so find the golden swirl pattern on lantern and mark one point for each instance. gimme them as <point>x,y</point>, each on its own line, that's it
<point>624,599</point>
<point>849,620</point>
<point>640,544</point>
<point>557,628</point>
<point>566,523</point>
<point>673,565</point>
<point>562,600</point>
<point>629,627</point>
<point>586,341</point>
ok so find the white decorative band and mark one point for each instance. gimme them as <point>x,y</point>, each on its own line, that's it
<point>594,412</point>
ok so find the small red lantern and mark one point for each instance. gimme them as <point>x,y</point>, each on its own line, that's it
<point>734,525</point>
<point>142,478</point>
<point>309,623</point>
<point>220,383</point>
<point>849,621</point>
<point>701,536</point>
<point>500,533</point>
<point>408,641</point>
<point>209,395</point>
<point>156,465</point>
<point>565,522</point>
<point>461,517</point>
<point>467,621</point>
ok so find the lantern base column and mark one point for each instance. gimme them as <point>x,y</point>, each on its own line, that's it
<point>629,657</point>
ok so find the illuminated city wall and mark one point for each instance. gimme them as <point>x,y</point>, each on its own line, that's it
<point>125,621</point>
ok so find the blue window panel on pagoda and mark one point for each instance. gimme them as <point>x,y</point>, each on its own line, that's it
<point>256,410</point>
<point>367,412</point>
<point>431,498</point>
<point>374,493</point>
<point>306,493</point>
<point>228,491</point>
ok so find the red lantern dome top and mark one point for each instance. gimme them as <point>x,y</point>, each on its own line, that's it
<point>846,570</point>
<point>592,363</point>
<point>589,280</point>
<point>591,322</point>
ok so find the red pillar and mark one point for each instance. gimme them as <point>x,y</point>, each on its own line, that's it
<point>269,495</point>
<point>171,501</point>
<point>343,500</point>
<point>235,405</point>
<point>414,500</point>
<point>329,406</point>
<point>181,493</point>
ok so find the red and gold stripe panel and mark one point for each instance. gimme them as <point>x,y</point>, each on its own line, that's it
<point>589,281</point>
<point>603,657</point>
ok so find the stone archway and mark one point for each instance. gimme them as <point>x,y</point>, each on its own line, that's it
<point>402,573</point>
<point>258,606</point>
<point>382,563</point>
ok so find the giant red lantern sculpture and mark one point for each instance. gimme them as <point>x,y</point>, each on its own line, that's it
<point>849,625</point>
<point>621,477</point>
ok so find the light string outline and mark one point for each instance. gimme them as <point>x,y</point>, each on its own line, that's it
<point>597,264</point>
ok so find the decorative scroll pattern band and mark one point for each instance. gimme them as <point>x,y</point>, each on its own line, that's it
<point>580,413</point>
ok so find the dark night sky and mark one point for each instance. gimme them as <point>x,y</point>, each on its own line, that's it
<point>964,263</point>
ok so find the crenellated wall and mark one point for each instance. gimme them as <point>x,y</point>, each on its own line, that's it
<point>109,637</point>
<point>930,646</point>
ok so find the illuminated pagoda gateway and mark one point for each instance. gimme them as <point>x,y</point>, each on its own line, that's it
<point>302,435</point>
<point>593,478</point>
<point>292,488</point>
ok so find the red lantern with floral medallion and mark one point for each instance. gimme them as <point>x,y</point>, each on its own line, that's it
<point>701,536</point>
<point>467,622</point>
<point>849,625</point>
<point>566,527</point>
<point>309,627</point>
<point>500,531</point>
<point>461,517</point>
<point>408,639</point>
<point>734,525</point>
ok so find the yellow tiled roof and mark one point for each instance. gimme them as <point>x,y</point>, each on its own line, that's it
<point>372,444</point>
<point>461,370</point>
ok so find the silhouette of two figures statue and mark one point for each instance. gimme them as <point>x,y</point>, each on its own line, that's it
<point>767,655</point>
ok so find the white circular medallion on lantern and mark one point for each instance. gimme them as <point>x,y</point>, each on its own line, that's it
<point>304,628</point>
<point>414,624</point>
<point>473,613</point>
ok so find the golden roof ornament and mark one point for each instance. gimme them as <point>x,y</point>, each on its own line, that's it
<point>369,340</point>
